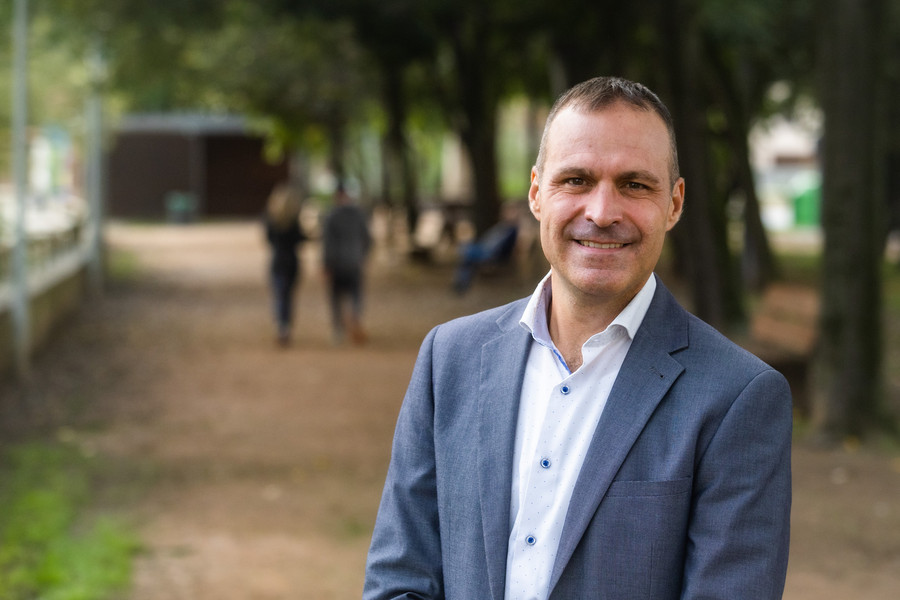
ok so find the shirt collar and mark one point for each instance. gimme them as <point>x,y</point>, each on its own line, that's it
<point>534,318</point>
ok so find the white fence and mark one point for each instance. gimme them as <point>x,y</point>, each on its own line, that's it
<point>51,259</point>
<point>58,245</point>
<point>58,248</point>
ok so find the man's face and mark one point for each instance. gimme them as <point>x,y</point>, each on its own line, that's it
<point>605,201</point>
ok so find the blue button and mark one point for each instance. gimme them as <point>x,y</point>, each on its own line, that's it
<point>545,462</point>
<point>530,540</point>
<point>565,389</point>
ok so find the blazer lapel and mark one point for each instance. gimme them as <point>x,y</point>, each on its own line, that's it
<point>502,369</point>
<point>646,375</point>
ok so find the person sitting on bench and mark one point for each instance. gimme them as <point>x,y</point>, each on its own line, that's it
<point>495,246</point>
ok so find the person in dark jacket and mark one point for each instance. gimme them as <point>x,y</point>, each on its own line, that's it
<point>345,245</point>
<point>283,232</point>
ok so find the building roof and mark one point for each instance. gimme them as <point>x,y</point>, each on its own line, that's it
<point>190,123</point>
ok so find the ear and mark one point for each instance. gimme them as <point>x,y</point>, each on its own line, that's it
<point>677,205</point>
<point>534,195</point>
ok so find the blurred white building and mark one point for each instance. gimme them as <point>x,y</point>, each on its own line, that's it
<point>786,163</point>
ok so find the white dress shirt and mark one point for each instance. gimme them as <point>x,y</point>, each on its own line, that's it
<point>558,414</point>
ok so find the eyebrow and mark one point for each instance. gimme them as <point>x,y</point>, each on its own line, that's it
<point>636,174</point>
<point>573,171</point>
<point>641,175</point>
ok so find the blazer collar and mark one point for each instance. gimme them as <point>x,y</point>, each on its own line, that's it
<point>645,377</point>
<point>503,361</point>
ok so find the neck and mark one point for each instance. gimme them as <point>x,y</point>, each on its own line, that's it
<point>572,320</point>
<point>570,328</point>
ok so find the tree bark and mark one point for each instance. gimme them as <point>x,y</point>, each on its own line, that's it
<point>701,238</point>
<point>399,165</point>
<point>848,377</point>
<point>757,261</point>
<point>337,147</point>
<point>758,266</point>
<point>478,100</point>
<point>480,139</point>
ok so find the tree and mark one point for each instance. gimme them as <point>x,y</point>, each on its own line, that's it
<point>482,52</point>
<point>146,71</point>
<point>848,375</point>
<point>752,45</point>
<point>741,56</point>
<point>602,40</point>
<point>303,79</point>
<point>700,240</point>
<point>396,35</point>
<point>690,53</point>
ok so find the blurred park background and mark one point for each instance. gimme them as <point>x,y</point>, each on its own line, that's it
<point>156,444</point>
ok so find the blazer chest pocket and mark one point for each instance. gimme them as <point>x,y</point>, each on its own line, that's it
<point>636,540</point>
<point>649,489</point>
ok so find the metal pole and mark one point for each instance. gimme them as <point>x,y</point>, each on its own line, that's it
<point>20,300</point>
<point>94,178</point>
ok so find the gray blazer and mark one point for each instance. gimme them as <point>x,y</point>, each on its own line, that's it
<point>685,491</point>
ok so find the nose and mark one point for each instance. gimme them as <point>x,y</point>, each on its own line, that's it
<point>603,207</point>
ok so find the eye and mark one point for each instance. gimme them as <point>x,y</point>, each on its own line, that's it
<point>636,186</point>
<point>576,181</point>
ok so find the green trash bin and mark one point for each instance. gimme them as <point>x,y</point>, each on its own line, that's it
<point>807,207</point>
<point>181,207</point>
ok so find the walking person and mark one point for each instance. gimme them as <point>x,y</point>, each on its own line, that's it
<point>346,242</point>
<point>285,236</point>
<point>594,440</point>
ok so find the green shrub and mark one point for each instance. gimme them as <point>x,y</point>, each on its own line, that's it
<point>48,548</point>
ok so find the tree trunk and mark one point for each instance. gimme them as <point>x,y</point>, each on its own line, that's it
<point>700,239</point>
<point>337,159</point>
<point>757,261</point>
<point>399,165</point>
<point>848,377</point>
<point>480,140</point>
<point>477,123</point>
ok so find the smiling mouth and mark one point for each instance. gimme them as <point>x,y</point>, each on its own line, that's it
<point>599,245</point>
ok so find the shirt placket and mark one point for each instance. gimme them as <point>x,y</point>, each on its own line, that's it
<point>538,538</point>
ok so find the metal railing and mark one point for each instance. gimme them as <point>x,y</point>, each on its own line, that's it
<point>58,244</point>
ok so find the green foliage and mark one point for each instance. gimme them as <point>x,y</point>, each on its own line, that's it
<point>48,550</point>
<point>296,75</point>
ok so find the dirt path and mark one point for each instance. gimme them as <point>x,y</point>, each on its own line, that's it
<point>254,473</point>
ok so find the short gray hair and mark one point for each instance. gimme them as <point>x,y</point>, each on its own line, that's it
<point>602,92</point>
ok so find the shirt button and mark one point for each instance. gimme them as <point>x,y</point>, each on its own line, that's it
<point>531,540</point>
<point>545,462</point>
<point>565,389</point>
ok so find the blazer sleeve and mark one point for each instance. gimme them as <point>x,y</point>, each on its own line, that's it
<point>739,530</point>
<point>405,554</point>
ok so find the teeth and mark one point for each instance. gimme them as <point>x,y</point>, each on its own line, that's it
<point>600,246</point>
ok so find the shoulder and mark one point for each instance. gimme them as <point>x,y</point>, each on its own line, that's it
<point>708,345</point>
<point>682,333</point>
<point>480,327</point>
<point>715,367</point>
<point>709,359</point>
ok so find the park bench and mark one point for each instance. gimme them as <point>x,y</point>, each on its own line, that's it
<point>493,249</point>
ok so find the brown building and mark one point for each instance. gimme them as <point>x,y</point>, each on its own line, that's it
<point>184,166</point>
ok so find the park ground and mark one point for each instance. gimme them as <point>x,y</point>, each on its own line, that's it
<point>253,472</point>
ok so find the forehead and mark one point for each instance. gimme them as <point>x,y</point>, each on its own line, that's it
<point>618,133</point>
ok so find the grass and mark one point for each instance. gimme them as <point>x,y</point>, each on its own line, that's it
<point>122,266</point>
<point>49,549</point>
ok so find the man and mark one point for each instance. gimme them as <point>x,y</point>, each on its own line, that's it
<point>595,440</point>
<point>345,245</point>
